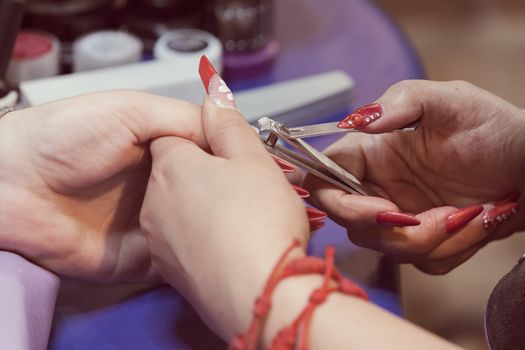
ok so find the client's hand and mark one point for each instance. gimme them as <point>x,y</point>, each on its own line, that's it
<point>468,151</point>
<point>217,223</point>
<point>72,179</point>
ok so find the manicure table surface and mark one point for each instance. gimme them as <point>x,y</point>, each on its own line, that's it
<point>314,36</point>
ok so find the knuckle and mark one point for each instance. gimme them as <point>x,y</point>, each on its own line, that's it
<point>462,85</point>
<point>406,86</point>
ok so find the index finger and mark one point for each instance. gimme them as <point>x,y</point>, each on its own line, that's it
<point>438,104</point>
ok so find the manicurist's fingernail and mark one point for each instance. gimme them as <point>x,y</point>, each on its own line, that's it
<point>284,165</point>
<point>389,218</point>
<point>462,217</point>
<point>301,191</point>
<point>316,225</point>
<point>497,215</point>
<point>315,214</point>
<point>508,198</point>
<point>362,116</point>
<point>217,90</point>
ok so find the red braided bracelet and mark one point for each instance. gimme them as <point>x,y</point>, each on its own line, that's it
<point>286,337</point>
<point>262,306</point>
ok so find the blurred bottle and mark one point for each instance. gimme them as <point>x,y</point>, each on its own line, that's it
<point>150,19</point>
<point>11,12</point>
<point>245,28</point>
<point>103,49</point>
<point>35,55</point>
<point>186,46</point>
<point>68,20</point>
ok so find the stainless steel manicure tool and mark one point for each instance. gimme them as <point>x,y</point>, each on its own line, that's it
<point>310,159</point>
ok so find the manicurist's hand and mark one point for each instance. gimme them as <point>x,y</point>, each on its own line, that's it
<point>217,223</point>
<point>450,187</point>
<point>72,179</point>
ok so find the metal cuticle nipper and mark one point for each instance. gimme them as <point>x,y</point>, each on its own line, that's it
<point>309,158</point>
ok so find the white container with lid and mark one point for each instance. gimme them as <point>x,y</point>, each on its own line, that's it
<point>186,46</point>
<point>105,49</point>
<point>36,55</point>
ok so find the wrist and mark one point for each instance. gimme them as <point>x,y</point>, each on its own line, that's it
<point>288,300</point>
<point>227,306</point>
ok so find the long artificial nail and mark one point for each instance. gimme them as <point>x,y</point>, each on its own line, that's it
<point>389,218</point>
<point>316,225</point>
<point>499,214</point>
<point>462,217</point>
<point>217,90</point>
<point>362,116</point>
<point>508,198</point>
<point>301,191</point>
<point>284,165</point>
<point>315,214</point>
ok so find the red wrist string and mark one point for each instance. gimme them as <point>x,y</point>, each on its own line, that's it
<point>262,306</point>
<point>287,337</point>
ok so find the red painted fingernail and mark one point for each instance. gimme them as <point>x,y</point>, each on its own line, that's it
<point>462,217</point>
<point>301,191</point>
<point>389,218</point>
<point>283,164</point>
<point>316,225</point>
<point>206,71</point>
<point>217,90</point>
<point>362,116</point>
<point>508,198</point>
<point>499,214</point>
<point>315,214</point>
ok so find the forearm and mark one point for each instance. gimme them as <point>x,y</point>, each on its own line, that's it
<point>344,322</point>
<point>27,300</point>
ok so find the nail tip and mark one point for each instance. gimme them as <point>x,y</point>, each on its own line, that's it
<point>461,218</point>
<point>301,191</point>
<point>397,219</point>
<point>206,71</point>
<point>316,225</point>
<point>315,214</point>
<point>284,165</point>
<point>508,198</point>
<point>344,125</point>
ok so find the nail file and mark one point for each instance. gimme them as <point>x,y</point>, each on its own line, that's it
<point>292,102</point>
<point>298,101</point>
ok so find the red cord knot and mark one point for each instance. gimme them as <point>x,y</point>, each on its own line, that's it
<point>262,306</point>
<point>285,339</point>
<point>238,343</point>
<point>350,288</point>
<point>318,296</point>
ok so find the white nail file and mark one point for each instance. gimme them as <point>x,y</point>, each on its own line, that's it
<point>299,100</point>
<point>294,101</point>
